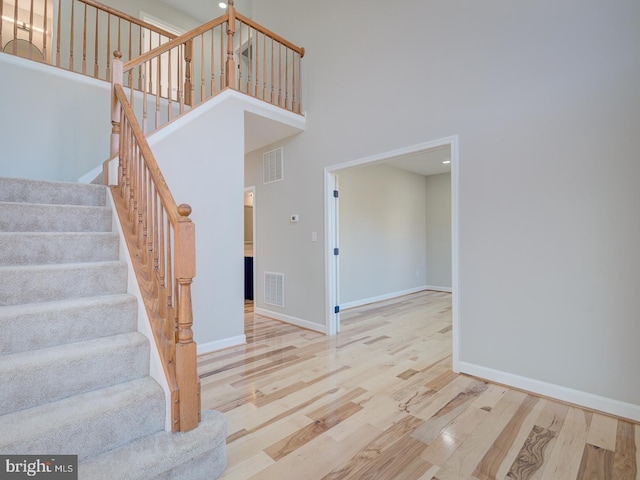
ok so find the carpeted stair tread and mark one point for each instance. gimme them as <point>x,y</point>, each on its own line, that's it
<point>191,455</point>
<point>44,191</point>
<point>87,424</point>
<point>66,370</point>
<point>30,248</point>
<point>34,326</point>
<point>31,217</point>
<point>43,283</point>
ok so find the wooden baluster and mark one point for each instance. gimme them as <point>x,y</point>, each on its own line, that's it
<point>273,67</point>
<point>286,77</point>
<point>294,104</point>
<point>96,68</point>
<point>239,66</point>
<point>222,69</point>
<point>119,35</point>
<point>181,76</point>
<point>116,79</point>
<point>158,88</point>
<point>231,64</point>
<point>279,74</point>
<point>15,28</point>
<point>169,87</point>
<point>2,21</point>
<point>45,29</point>
<point>144,100</point>
<point>30,22</point>
<point>188,87</point>
<point>202,68</point>
<point>84,41</point>
<point>248,61</point>
<point>140,74</point>
<point>186,355</point>
<point>264,67</point>
<point>59,34</point>
<point>212,65</point>
<point>130,44</point>
<point>257,80</point>
<point>300,81</point>
<point>108,44</point>
<point>71,40</point>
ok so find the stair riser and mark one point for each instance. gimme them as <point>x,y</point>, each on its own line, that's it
<point>88,424</point>
<point>33,191</point>
<point>18,217</point>
<point>30,327</point>
<point>21,285</point>
<point>49,248</point>
<point>71,369</point>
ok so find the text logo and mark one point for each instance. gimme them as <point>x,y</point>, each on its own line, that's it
<point>49,467</point>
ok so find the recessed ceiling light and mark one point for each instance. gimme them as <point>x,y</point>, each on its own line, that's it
<point>447,161</point>
<point>222,5</point>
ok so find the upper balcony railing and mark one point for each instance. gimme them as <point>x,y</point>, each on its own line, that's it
<point>171,73</point>
<point>230,51</point>
<point>77,35</point>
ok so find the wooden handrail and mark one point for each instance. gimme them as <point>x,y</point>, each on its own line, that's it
<point>129,18</point>
<point>270,34</point>
<point>161,239</point>
<point>175,42</point>
<point>156,175</point>
<point>231,51</point>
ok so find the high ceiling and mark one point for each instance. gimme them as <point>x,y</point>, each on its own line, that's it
<point>205,10</point>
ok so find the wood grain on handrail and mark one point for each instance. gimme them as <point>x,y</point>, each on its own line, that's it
<point>156,175</point>
<point>269,33</point>
<point>128,17</point>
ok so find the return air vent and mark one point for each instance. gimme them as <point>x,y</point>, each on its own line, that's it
<point>272,166</point>
<point>274,289</point>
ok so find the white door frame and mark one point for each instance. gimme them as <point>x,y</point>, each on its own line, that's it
<point>332,318</point>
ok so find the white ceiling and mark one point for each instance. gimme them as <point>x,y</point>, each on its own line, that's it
<point>205,10</point>
<point>427,162</point>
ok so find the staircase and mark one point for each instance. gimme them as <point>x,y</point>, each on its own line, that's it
<point>73,368</point>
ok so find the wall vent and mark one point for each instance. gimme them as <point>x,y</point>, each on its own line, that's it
<point>274,289</point>
<point>272,166</point>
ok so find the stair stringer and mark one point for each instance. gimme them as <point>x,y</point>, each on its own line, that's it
<point>156,370</point>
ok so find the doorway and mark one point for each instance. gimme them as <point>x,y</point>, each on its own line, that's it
<point>249,244</point>
<point>332,220</point>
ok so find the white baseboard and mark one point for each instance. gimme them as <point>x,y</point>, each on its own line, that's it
<point>221,344</point>
<point>293,320</point>
<point>439,289</point>
<point>386,296</point>
<point>576,397</point>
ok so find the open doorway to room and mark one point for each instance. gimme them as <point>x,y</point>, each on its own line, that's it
<point>392,228</point>
<point>249,245</point>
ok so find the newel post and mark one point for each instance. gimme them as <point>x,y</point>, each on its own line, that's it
<point>186,352</point>
<point>116,79</point>
<point>231,64</point>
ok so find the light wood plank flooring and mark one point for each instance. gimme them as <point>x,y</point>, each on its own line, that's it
<point>379,401</point>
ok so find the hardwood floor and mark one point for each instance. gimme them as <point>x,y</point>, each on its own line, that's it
<point>379,401</point>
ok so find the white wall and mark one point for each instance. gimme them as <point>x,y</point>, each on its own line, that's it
<point>202,161</point>
<point>54,125</point>
<point>438,231</point>
<point>543,96</point>
<point>383,228</point>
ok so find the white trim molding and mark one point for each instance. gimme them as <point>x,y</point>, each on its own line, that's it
<point>436,288</point>
<point>209,347</point>
<point>565,394</point>
<point>289,319</point>
<point>386,296</point>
